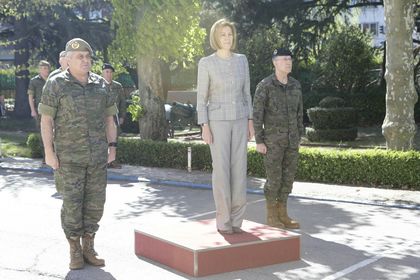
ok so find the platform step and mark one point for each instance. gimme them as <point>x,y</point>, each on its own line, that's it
<point>197,249</point>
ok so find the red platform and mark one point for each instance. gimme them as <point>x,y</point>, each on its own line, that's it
<point>197,249</point>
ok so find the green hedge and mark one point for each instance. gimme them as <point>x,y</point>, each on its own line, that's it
<point>34,143</point>
<point>333,134</point>
<point>381,168</point>
<point>366,167</point>
<point>331,118</point>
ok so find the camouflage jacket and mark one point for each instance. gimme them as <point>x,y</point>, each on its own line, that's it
<point>35,88</point>
<point>278,112</point>
<point>118,90</point>
<point>79,117</point>
<point>55,72</point>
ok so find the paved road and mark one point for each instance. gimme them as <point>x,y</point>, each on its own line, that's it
<point>339,240</point>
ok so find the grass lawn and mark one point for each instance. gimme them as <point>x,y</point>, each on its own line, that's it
<point>13,144</point>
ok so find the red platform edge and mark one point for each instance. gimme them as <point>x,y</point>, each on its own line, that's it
<point>210,261</point>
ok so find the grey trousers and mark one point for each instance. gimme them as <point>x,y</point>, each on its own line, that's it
<point>229,156</point>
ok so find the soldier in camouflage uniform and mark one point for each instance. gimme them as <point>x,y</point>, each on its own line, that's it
<point>117,89</point>
<point>63,64</point>
<point>77,109</point>
<point>35,89</point>
<point>278,123</point>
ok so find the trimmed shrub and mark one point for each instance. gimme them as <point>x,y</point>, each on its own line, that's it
<point>337,134</point>
<point>34,143</point>
<point>332,102</point>
<point>163,154</point>
<point>332,118</point>
<point>381,168</point>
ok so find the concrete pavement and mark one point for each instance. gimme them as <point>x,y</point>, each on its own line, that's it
<point>344,234</point>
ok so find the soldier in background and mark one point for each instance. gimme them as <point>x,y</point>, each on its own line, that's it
<point>77,109</point>
<point>117,89</point>
<point>278,123</point>
<point>63,64</point>
<point>35,89</point>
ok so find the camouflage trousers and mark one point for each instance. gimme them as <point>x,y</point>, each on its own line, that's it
<point>83,189</point>
<point>281,167</point>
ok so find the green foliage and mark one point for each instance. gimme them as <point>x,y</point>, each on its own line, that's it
<point>331,134</point>
<point>7,79</point>
<point>370,105</point>
<point>332,118</point>
<point>14,144</point>
<point>258,48</point>
<point>332,102</point>
<point>135,109</point>
<point>380,168</point>
<point>158,29</point>
<point>344,60</point>
<point>373,167</point>
<point>163,154</point>
<point>34,143</point>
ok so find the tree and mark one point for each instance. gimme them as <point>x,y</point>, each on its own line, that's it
<point>344,60</point>
<point>42,27</point>
<point>149,35</point>
<point>399,127</point>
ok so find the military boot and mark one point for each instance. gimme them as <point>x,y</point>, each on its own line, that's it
<point>272,215</point>
<point>76,255</point>
<point>284,218</point>
<point>89,253</point>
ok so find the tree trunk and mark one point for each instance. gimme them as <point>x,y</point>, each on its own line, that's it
<point>152,124</point>
<point>399,127</point>
<point>22,109</point>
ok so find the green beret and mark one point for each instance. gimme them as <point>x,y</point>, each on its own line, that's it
<point>77,44</point>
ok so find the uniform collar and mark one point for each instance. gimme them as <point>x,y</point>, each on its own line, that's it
<point>92,78</point>
<point>290,81</point>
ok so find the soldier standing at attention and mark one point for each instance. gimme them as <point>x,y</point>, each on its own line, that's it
<point>117,89</point>
<point>278,122</point>
<point>63,64</point>
<point>35,89</point>
<point>77,109</point>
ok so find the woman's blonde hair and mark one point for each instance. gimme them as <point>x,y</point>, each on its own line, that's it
<point>214,33</point>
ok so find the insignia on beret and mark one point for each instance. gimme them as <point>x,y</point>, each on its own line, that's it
<point>75,45</point>
<point>275,52</point>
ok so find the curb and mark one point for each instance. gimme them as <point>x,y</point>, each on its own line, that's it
<point>132,178</point>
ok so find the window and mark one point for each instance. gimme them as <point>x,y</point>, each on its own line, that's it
<point>370,27</point>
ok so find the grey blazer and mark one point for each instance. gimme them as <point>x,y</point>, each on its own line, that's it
<point>223,90</point>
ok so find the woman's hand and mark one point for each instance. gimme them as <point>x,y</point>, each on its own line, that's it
<point>251,131</point>
<point>206,134</point>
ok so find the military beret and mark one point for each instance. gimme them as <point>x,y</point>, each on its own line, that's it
<point>281,52</point>
<point>44,63</point>
<point>77,44</point>
<point>108,66</point>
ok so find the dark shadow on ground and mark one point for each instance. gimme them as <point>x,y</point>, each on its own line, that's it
<point>89,272</point>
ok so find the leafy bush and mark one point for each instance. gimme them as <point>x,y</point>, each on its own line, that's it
<point>344,60</point>
<point>332,102</point>
<point>258,48</point>
<point>7,79</point>
<point>337,134</point>
<point>332,118</point>
<point>368,167</point>
<point>34,143</point>
<point>380,168</point>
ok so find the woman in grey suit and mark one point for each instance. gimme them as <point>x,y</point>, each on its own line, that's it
<point>224,109</point>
